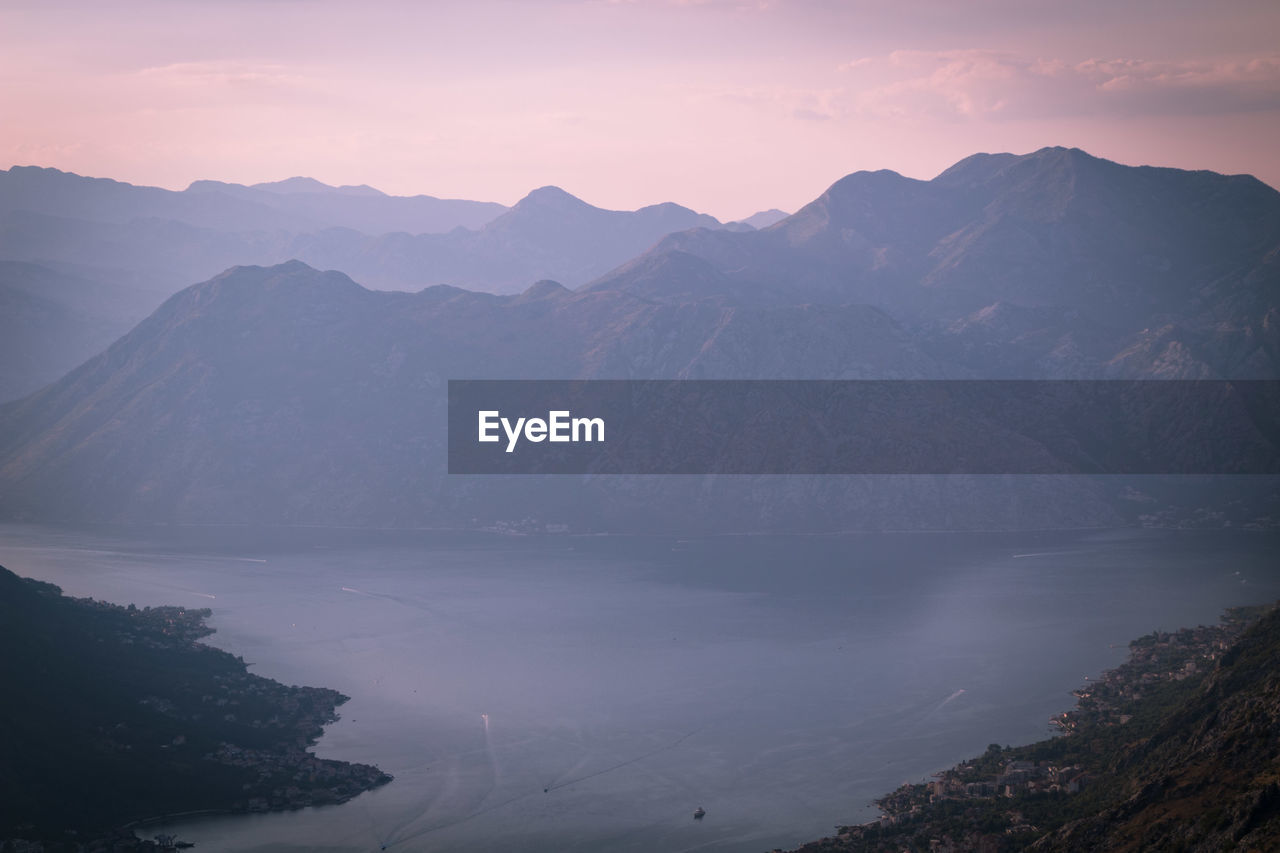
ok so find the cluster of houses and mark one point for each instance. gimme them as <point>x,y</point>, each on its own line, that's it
<point>1016,778</point>
<point>1157,658</point>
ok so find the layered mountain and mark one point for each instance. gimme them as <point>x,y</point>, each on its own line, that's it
<point>360,208</point>
<point>158,240</point>
<point>71,223</point>
<point>549,234</point>
<point>51,321</point>
<point>138,245</point>
<point>291,395</point>
<point>1055,263</point>
<point>765,218</point>
<point>296,204</point>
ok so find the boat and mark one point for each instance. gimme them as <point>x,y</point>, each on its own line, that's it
<point>699,813</point>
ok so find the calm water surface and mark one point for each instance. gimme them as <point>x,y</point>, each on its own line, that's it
<point>586,694</point>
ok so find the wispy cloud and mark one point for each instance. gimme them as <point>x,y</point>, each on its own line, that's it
<point>230,73</point>
<point>798,102</point>
<point>730,5</point>
<point>992,85</point>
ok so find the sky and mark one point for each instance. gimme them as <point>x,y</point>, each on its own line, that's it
<point>726,106</point>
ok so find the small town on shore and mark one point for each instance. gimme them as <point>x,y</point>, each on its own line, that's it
<point>1007,784</point>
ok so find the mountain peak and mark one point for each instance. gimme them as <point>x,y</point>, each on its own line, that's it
<point>293,275</point>
<point>301,184</point>
<point>765,218</point>
<point>862,197</point>
<point>551,197</point>
<point>296,184</point>
<point>974,169</point>
<point>980,168</point>
<point>665,207</point>
<point>866,185</point>
<point>1059,157</point>
<point>46,174</point>
<point>545,289</point>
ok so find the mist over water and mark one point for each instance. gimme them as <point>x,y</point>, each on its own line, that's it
<point>583,694</point>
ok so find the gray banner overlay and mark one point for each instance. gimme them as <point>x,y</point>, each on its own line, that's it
<point>863,427</point>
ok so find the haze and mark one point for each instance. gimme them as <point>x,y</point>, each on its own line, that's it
<point>728,107</point>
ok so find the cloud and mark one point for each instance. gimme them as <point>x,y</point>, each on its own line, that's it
<point>811,115</point>
<point>962,84</point>
<point>237,74</point>
<point>731,5</point>
<point>807,104</point>
<point>856,63</point>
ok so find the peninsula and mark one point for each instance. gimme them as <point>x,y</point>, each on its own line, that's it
<point>113,715</point>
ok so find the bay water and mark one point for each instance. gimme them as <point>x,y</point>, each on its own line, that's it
<point>565,693</point>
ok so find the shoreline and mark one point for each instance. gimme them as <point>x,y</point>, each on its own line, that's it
<point>152,709</point>
<point>1005,783</point>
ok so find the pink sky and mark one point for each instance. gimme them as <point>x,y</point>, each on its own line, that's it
<point>725,106</point>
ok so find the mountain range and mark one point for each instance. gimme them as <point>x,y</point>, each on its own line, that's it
<point>295,204</point>
<point>290,395</point>
<point>549,234</point>
<point>135,246</point>
<point>1055,264</point>
<point>159,240</point>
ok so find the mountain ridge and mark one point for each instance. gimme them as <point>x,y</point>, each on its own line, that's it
<point>52,217</point>
<point>296,395</point>
<point>1116,250</point>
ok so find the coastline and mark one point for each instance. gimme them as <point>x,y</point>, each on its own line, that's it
<point>178,726</point>
<point>1019,797</point>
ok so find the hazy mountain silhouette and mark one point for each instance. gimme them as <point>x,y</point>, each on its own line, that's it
<point>295,204</point>
<point>58,219</point>
<point>291,395</point>
<point>288,395</point>
<point>549,234</point>
<point>141,244</point>
<point>1054,263</point>
<point>300,184</point>
<point>360,208</point>
<point>765,218</point>
<point>144,243</point>
<point>50,192</point>
<point>51,321</point>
